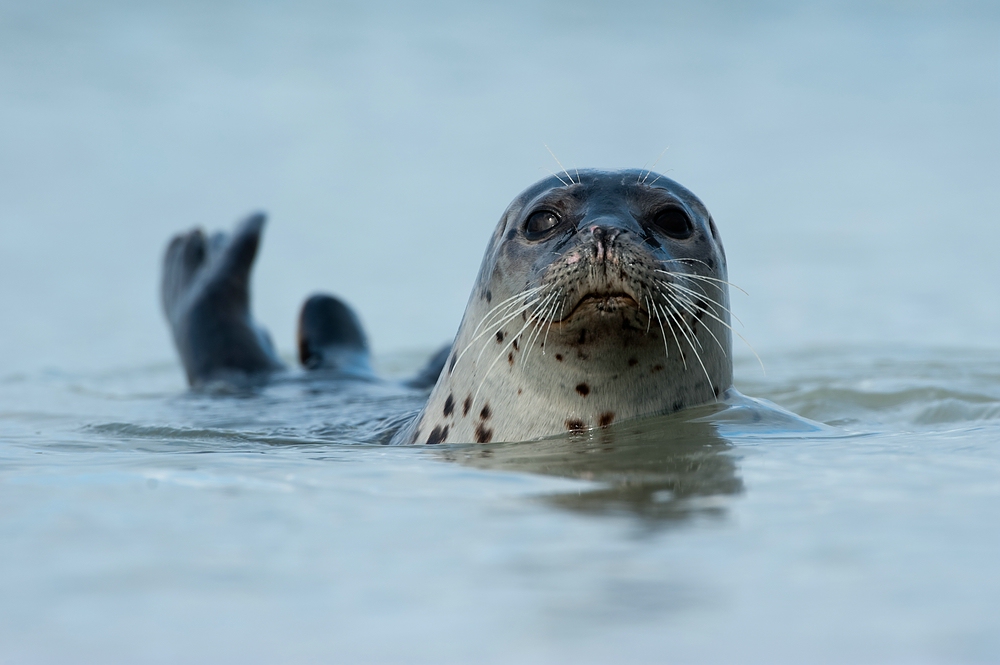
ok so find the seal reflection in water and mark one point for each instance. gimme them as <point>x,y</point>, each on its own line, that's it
<point>601,298</point>
<point>664,470</point>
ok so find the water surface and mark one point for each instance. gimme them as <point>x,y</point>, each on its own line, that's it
<point>153,525</point>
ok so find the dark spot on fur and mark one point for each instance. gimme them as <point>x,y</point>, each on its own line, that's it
<point>582,356</point>
<point>489,296</point>
<point>657,368</point>
<point>499,337</point>
<point>524,316</point>
<point>518,391</point>
<point>451,365</point>
<point>583,337</point>
<point>632,362</point>
<point>511,234</point>
<point>485,413</point>
<point>716,390</point>
<point>583,389</point>
<point>606,419</point>
<point>575,425</point>
<point>510,358</point>
<point>622,275</point>
<point>466,405</point>
<point>515,345</point>
<point>678,405</point>
<point>483,435</point>
<point>438,434</point>
<point>449,406</point>
<point>559,357</point>
<point>416,436</point>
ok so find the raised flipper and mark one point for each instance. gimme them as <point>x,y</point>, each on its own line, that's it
<point>206,298</point>
<point>331,338</point>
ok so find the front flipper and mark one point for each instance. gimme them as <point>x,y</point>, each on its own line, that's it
<point>206,297</point>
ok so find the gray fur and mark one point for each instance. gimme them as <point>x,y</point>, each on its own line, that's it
<point>608,360</point>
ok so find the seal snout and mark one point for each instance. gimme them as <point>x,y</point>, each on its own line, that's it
<point>603,238</point>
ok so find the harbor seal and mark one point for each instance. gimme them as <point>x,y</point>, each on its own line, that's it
<point>602,297</point>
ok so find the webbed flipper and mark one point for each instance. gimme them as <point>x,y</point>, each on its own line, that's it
<point>206,298</point>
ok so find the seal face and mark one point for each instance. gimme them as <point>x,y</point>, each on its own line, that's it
<point>600,299</point>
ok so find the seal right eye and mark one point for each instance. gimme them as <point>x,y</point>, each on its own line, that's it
<point>540,223</point>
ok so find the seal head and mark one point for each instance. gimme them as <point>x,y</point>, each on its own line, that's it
<point>602,297</point>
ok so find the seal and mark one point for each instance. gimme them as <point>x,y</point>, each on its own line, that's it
<point>602,297</point>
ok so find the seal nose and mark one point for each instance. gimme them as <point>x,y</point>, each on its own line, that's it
<point>603,238</point>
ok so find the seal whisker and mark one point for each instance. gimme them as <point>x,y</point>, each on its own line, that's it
<point>530,320</point>
<point>710,301</point>
<point>712,313</point>
<point>512,317</point>
<point>560,165</point>
<point>507,318</point>
<point>532,338</point>
<point>681,325</point>
<point>701,277</point>
<point>505,304</point>
<point>683,275</point>
<point>507,346</point>
<point>655,179</point>
<point>501,318</point>
<point>650,170</point>
<point>552,318</point>
<point>737,333</point>
<point>693,309</point>
<point>556,176</point>
<point>499,324</point>
<point>692,294</point>
<point>663,334</point>
<point>672,302</point>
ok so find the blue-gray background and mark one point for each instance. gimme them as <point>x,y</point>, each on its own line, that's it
<point>850,153</point>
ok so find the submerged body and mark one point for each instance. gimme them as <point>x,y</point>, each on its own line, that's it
<point>601,298</point>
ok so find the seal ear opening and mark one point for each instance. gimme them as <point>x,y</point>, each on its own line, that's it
<point>328,329</point>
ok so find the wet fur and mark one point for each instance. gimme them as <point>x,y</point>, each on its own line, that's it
<point>520,369</point>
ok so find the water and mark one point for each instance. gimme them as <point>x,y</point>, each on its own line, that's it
<point>147,524</point>
<point>849,155</point>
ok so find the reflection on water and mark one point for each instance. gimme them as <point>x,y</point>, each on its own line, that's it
<point>661,469</point>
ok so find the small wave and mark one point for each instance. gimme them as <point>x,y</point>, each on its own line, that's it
<point>206,435</point>
<point>924,406</point>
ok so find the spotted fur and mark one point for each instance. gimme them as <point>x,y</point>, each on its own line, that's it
<point>606,318</point>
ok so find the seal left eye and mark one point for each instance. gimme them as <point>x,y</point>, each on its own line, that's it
<point>674,222</point>
<point>539,223</point>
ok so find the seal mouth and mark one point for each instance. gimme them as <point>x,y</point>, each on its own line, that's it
<point>603,303</point>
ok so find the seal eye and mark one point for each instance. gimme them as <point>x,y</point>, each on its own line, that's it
<point>539,223</point>
<point>674,223</point>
